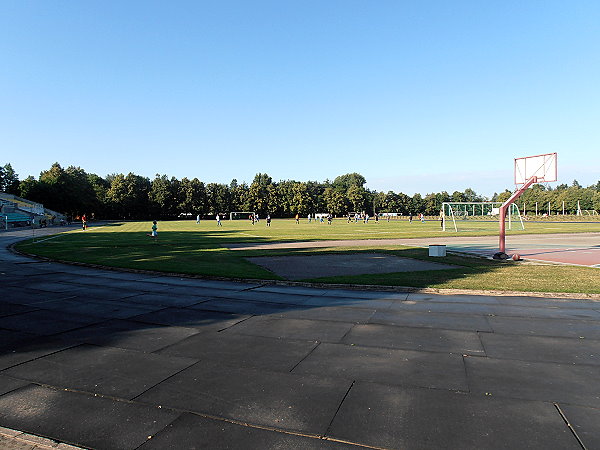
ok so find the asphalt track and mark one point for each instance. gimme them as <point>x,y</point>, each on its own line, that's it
<point>578,248</point>
<point>113,360</point>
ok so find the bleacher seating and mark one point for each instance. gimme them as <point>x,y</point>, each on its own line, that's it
<point>16,217</point>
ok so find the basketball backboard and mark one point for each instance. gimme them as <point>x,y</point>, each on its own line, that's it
<point>543,167</point>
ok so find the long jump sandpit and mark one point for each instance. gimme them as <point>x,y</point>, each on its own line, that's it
<point>582,249</point>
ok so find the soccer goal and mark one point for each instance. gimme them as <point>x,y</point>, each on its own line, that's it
<point>241,215</point>
<point>477,216</point>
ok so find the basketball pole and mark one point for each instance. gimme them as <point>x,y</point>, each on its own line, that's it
<point>504,209</point>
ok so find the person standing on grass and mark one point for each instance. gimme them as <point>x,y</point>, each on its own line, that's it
<point>154,232</point>
<point>84,222</point>
<point>297,218</point>
<point>218,219</point>
<point>198,218</point>
<point>268,220</point>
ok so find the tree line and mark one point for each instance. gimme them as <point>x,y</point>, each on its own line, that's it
<point>73,191</point>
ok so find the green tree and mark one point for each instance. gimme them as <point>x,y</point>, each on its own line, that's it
<point>345,182</point>
<point>356,197</point>
<point>9,180</point>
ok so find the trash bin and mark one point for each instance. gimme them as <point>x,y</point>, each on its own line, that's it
<point>437,250</point>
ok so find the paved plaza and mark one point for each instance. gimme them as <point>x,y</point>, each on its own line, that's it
<point>105,359</point>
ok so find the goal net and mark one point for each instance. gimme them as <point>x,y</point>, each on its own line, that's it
<point>477,216</point>
<point>241,215</point>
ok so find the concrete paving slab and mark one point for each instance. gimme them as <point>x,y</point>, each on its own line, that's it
<point>192,318</point>
<point>423,339</point>
<point>103,370</point>
<point>587,329</point>
<point>550,382</point>
<point>10,339</point>
<point>197,283</point>
<point>192,431</point>
<point>46,322</point>
<point>93,422</point>
<point>244,307</point>
<point>476,299</point>
<point>247,351</point>
<point>352,302</point>
<point>54,287</point>
<point>331,313</point>
<point>432,320</point>
<point>317,330</point>
<point>545,313</point>
<point>167,299</point>
<point>371,295</point>
<point>585,422</point>
<point>98,308</point>
<point>386,366</point>
<point>28,349</point>
<point>296,290</point>
<point>548,302</point>
<point>395,417</point>
<point>444,308</point>
<point>8,309</point>
<point>284,401</point>
<point>330,265</point>
<point>106,293</point>
<point>25,296</point>
<point>548,349</point>
<point>8,384</point>
<point>130,335</point>
<point>270,297</point>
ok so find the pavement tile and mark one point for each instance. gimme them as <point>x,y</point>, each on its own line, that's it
<point>586,422</point>
<point>99,308</point>
<point>378,303</point>
<point>10,339</point>
<point>243,307</point>
<point>475,299</point>
<point>8,309</point>
<point>396,417</point>
<point>167,299</point>
<point>8,384</point>
<point>45,322</point>
<point>444,308</point>
<point>386,366</point>
<point>285,401</point>
<point>296,290</point>
<point>548,302</point>
<point>29,348</point>
<point>431,320</point>
<point>587,329</point>
<point>246,351</point>
<point>317,330</point>
<point>545,313</point>
<point>423,339</point>
<point>271,297</point>
<point>93,422</point>
<point>540,348</point>
<point>550,382</point>
<point>24,296</point>
<point>105,293</point>
<point>52,286</point>
<point>102,370</point>
<point>129,335</point>
<point>331,313</point>
<point>191,432</point>
<point>192,318</point>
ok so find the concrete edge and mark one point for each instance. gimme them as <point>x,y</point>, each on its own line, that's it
<point>354,287</point>
<point>17,440</point>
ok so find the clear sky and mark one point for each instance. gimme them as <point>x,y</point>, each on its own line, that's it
<point>417,96</point>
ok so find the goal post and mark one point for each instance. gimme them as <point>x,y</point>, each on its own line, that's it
<point>241,215</point>
<point>477,216</point>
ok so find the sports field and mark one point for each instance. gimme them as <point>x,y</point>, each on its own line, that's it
<point>203,249</point>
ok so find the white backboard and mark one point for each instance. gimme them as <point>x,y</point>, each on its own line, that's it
<point>543,167</point>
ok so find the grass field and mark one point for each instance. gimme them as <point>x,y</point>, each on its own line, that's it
<point>201,249</point>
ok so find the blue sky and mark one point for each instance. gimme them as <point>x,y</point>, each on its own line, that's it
<point>418,96</point>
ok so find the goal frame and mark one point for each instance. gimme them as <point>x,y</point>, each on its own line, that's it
<point>247,213</point>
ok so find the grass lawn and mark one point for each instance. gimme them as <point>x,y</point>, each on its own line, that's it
<point>201,249</point>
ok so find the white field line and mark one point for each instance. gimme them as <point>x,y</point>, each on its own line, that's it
<point>64,233</point>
